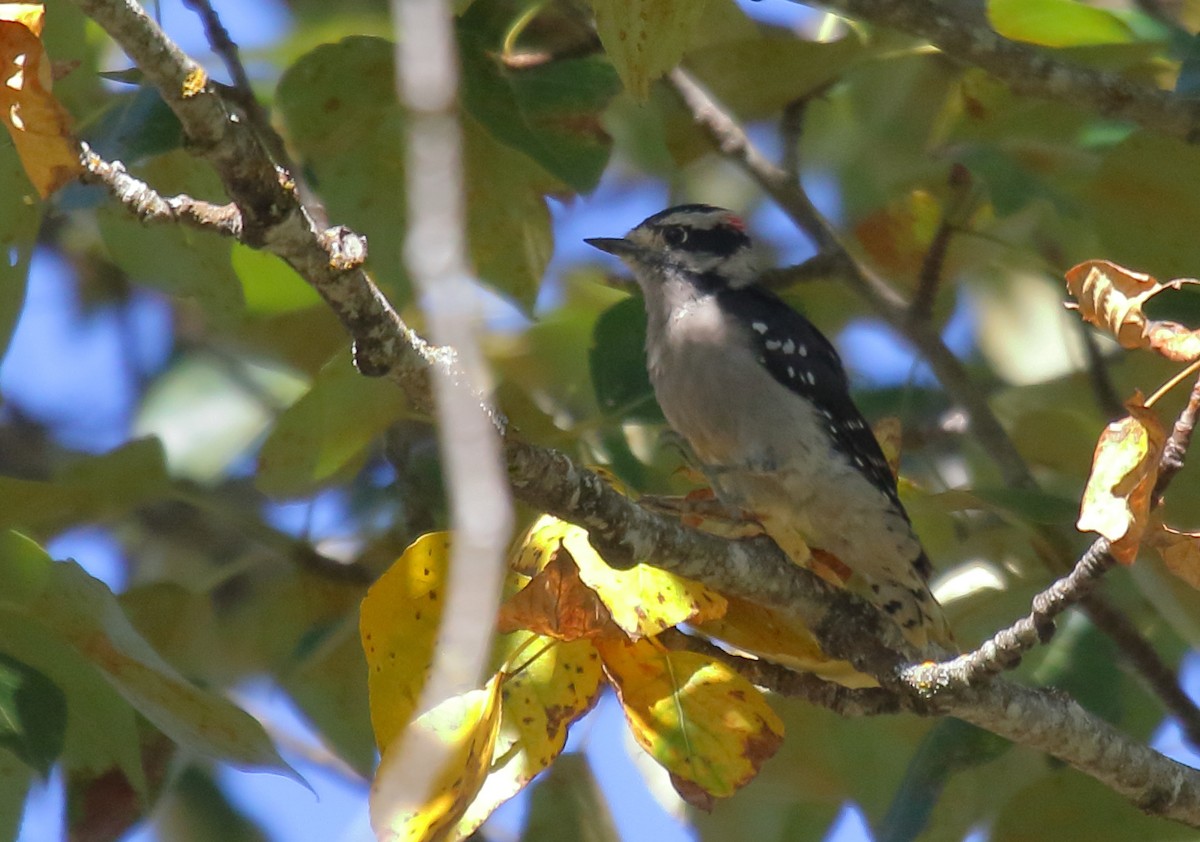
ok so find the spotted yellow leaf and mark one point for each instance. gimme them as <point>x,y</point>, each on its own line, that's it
<point>704,723</point>
<point>398,623</point>
<point>456,739</point>
<point>549,685</point>
<point>642,600</point>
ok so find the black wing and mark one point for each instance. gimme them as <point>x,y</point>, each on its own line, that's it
<point>799,356</point>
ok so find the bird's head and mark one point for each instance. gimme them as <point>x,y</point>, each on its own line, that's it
<point>704,243</point>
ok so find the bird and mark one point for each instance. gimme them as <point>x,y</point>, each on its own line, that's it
<point>762,399</point>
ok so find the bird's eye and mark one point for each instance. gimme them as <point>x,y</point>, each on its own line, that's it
<point>675,235</point>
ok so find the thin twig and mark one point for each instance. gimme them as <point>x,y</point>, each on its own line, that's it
<point>929,277</point>
<point>242,90</point>
<point>149,206</point>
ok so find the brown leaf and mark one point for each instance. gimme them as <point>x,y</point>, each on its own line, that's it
<point>37,122</point>
<point>1112,298</point>
<point>1180,552</point>
<point>1116,501</point>
<point>557,603</point>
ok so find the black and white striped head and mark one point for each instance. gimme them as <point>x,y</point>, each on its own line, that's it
<point>706,243</point>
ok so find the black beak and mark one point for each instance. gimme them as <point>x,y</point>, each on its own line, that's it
<point>616,246</point>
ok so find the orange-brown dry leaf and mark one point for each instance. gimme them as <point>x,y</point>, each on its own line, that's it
<point>398,623</point>
<point>898,235</point>
<point>1112,298</point>
<point>36,121</point>
<point>557,603</point>
<point>548,686</point>
<point>766,634</point>
<point>642,600</point>
<point>457,739</point>
<point>1180,552</point>
<point>704,723</point>
<point>1116,501</point>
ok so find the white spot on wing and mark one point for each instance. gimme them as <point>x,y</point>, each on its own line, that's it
<point>761,327</point>
<point>789,347</point>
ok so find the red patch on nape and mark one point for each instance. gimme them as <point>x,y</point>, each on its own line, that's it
<point>735,222</point>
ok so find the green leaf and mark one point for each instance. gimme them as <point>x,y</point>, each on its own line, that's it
<point>566,803</point>
<point>33,714</point>
<point>91,488</point>
<point>78,616</point>
<point>135,126</point>
<point>325,431</point>
<point>949,747</point>
<point>268,284</point>
<point>618,362</point>
<point>188,264</point>
<point>646,38</point>
<point>549,111</point>
<point>20,216</point>
<point>15,778</point>
<point>350,137</point>
<point>759,76</point>
<point>511,241</point>
<point>1057,23</point>
<point>1142,205</point>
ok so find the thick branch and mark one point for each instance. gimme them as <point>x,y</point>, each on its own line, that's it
<point>950,26</point>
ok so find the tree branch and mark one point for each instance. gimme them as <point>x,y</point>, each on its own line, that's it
<point>1028,69</point>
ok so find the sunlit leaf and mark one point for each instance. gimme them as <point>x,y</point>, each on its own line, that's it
<point>643,600</point>
<point>708,726</point>
<point>646,38</point>
<point>456,741</point>
<point>398,623</point>
<point>268,284</point>
<point>764,633</point>
<point>327,429</point>
<point>1116,501</point>
<point>37,123</point>
<point>1112,297</point>
<point>548,686</point>
<point>1056,23</point>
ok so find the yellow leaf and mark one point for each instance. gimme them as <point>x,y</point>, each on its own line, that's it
<point>456,738</point>
<point>1116,501</point>
<point>1112,298</point>
<point>704,723</point>
<point>1180,552</point>
<point>642,600</point>
<point>398,623</point>
<point>765,634</point>
<point>898,235</point>
<point>552,684</point>
<point>37,122</point>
